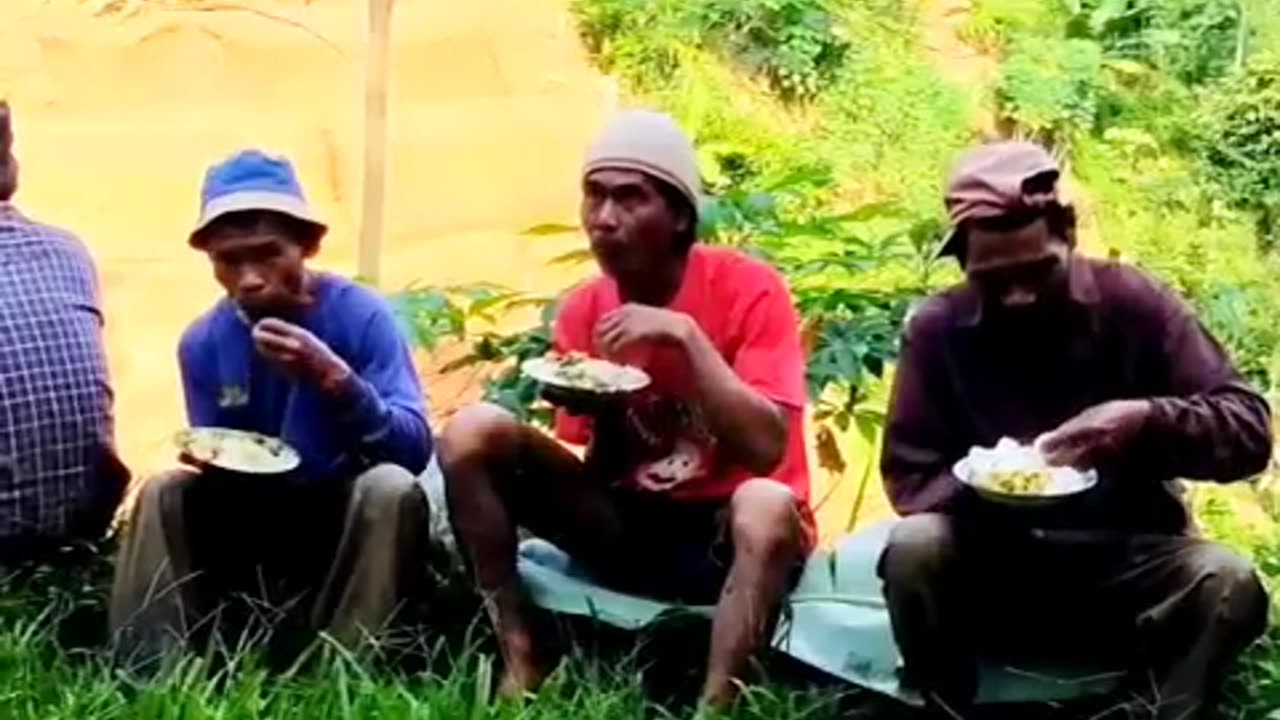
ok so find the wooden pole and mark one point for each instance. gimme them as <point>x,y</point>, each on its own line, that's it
<point>373,215</point>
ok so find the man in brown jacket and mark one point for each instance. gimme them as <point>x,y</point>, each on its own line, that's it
<point>1111,371</point>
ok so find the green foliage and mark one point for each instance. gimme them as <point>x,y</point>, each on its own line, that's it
<point>1148,206</point>
<point>1049,88</point>
<point>638,37</point>
<point>1192,40</point>
<point>795,45</point>
<point>470,314</point>
<point>1240,143</point>
<point>890,125</point>
<point>42,677</point>
<point>994,22</point>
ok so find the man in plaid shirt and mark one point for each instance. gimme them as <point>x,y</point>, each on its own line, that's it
<point>60,477</point>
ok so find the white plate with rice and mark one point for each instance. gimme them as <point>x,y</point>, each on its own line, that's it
<point>1016,474</point>
<point>237,450</point>
<point>580,373</point>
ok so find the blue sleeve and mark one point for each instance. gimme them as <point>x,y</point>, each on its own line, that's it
<point>385,411</point>
<point>199,380</point>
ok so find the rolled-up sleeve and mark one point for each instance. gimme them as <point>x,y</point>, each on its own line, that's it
<point>920,440</point>
<point>1210,424</point>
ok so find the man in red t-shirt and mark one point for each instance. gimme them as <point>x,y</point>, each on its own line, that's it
<point>695,489</point>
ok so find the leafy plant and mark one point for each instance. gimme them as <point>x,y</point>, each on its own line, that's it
<point>1049,88</point>
<point>993,23</point>
<point>1193,40</point>
<point>469,315</point>
<point>507,386</point>
<point>1240,143</point>
<point>795,45</point>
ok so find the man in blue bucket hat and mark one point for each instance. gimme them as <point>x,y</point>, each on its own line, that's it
<point>314,360</point>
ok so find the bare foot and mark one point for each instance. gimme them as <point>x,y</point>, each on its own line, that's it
<point>517,684</point>
<point>718,697</point>
<point>522,674</point>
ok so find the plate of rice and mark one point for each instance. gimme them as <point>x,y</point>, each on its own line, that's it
<point>237,450</point>
<point>1016,474</point>
<point>581,373</point>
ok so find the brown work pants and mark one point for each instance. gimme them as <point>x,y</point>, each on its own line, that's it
<point>1175,610</point>
<point>206,553</point>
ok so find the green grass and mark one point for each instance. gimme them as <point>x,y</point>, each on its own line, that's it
<point>53,665</point>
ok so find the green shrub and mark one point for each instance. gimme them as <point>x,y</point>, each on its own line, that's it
<point>1192,40</point>
<point>1240,143</point>
<point>1149,206</point>
<point>795,45</point>
<point>993,23</point>
<point>891,127</point>
<point>1049,88</point>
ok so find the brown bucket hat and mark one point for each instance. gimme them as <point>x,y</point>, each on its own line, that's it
<point>999,179</point>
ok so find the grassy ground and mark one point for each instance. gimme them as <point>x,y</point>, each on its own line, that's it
<point>52,666</point>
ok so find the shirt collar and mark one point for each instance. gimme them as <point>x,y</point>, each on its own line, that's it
<point>9,211</point>
<point>1082,289</point>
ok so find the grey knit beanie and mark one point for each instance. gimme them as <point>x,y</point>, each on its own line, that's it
<point>652,143</point>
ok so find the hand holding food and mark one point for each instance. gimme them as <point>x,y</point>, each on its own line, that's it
<point>633,323</point>
<point>298,352</point>
<point>1096,434</point>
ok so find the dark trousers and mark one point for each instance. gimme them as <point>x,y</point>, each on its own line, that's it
<point>206,554</point>
<point>1176,610</point>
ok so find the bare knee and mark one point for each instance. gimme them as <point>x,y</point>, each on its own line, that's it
<point>478,432</point>
<point>164,491</point>
<point>918,549</point>
<point>385,489</point>
<point>764,519</point>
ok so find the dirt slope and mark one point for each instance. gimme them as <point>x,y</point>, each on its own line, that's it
<point>120,105</point>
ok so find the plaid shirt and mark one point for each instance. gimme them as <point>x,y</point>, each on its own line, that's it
<point>59,473</point>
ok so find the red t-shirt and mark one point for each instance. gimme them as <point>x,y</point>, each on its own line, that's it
<point>745,309</point>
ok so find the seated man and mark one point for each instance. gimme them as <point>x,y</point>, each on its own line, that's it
<point>317,361</point>
<point>693,489</point>
<point>1110,371</point>
<point>61,476</point>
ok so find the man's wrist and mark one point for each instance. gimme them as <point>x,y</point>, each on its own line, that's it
<point>337,382</point>
<point>686,331</point>
<point>1149,413</point>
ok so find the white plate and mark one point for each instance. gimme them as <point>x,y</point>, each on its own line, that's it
<point>622,378</point>
<point>1064,482</point>
<point>238,450</point>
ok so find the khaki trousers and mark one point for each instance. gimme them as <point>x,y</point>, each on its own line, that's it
<point>206,551</point>
<point>1175,610</point>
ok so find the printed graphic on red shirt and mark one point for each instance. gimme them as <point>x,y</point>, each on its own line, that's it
<point>673,444</point>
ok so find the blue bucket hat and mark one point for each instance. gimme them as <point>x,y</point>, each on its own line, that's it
<point>252,180</point>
